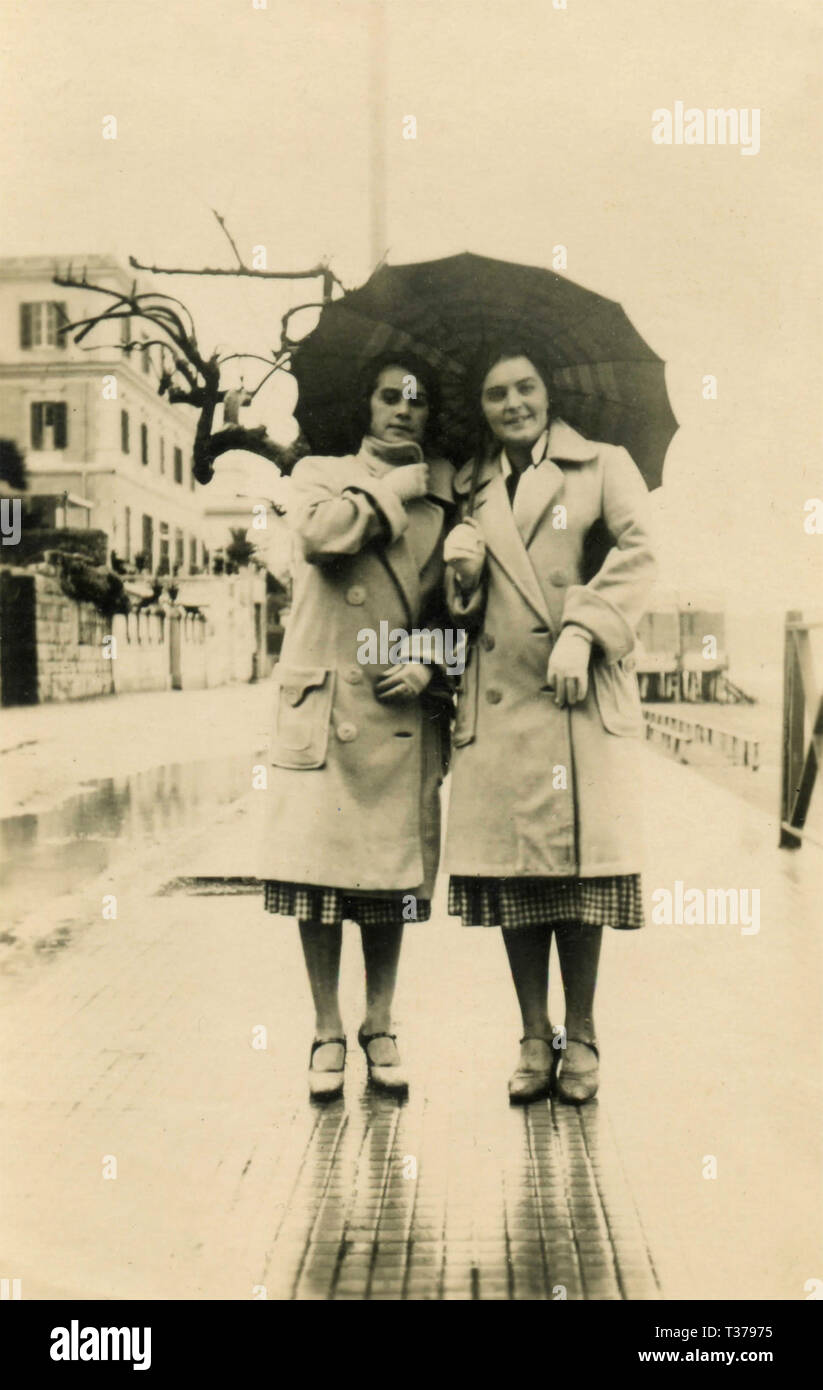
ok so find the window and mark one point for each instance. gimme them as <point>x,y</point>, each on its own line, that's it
<point>163,558</point>
<point>162,454</point>
<point>125,331</point>
<point>146,360</point>
<point>49,425</point>
<point>127,534</point>
<point>144,444</point>
<point>39,323</point>
<point>179,553</point>
<point>124,431</point>
<point>193,553</point>
<point>178,465</point>
<point>148,542</point>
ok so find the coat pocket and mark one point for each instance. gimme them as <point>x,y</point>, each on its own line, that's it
<point>618,698</point>
<point>465,723</point>
<point>302,716</point>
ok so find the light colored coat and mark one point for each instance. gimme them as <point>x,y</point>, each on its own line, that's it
<point>538,790</point>
<point>352,799</point>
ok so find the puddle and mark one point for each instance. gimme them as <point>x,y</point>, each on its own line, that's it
<point>55,852</point>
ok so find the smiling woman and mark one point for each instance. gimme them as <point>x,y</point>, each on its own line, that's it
<point>542,837</point>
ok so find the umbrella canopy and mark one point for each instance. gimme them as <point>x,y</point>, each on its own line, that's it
<point>605,380</point>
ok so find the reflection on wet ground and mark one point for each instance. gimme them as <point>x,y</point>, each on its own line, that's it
<point>457,1198</point>
<point>57,851</point>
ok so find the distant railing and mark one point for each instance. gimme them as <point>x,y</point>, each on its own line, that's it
<point>799,763</point>
<point>678,735</point>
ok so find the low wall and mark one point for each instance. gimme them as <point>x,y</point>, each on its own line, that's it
<point>141,652</point>
<point>53,647</point>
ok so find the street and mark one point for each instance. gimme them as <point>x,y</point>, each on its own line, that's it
<point>158,1141</point>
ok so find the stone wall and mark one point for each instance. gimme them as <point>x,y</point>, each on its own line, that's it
<point>53,647</point>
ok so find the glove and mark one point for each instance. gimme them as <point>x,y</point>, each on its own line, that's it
<point>465,550</point>
<point>408,480</point>
<point>568,670</point>
<point>403,683</point>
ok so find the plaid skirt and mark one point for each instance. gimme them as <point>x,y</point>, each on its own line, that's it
<point>330,906</point>
<point>612,901</point>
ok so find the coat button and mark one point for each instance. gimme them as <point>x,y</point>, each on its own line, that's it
<point>353,675</point>
<point>346,732</point>
<point>494,696</point>
<point>291,693</point>
<point>356,595</point>
<point>558,578</point>
<point>487,642</point>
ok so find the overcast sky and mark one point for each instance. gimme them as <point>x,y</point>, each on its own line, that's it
<point>534,128</point>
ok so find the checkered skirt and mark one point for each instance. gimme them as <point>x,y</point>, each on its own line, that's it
<point>330,906</point>
<point>612,901</point>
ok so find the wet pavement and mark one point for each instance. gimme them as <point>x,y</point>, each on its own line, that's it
<point>158,1141</point>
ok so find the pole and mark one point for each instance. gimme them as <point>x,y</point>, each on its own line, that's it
<point>378,57</point>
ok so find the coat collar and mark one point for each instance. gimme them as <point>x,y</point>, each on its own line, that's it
<point>564,445</point>
<point>379,456</point>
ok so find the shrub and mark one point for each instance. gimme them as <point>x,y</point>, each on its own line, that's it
<point>34,544</point>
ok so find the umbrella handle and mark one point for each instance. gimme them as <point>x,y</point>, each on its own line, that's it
<point>473,487</point>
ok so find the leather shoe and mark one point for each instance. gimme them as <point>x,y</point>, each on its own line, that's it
<point>529,1083</point>
<point>326,1084</point>
<point>573,1085</point>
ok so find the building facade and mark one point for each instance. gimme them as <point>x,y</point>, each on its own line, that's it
<point>98,440</point>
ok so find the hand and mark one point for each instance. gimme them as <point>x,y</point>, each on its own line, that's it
<point>409,480</point>
<point>403,683</point>
<point>465,550</point>
<point>568,669</point>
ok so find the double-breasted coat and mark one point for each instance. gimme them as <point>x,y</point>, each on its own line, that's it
<point>353,789</point>
<point>538,790</point>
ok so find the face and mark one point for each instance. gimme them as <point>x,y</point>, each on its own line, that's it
<point>393,416</point>
<point>515,401</point>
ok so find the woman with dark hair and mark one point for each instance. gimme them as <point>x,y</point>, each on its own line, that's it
<point>543,837</point>
<point>357,753</point>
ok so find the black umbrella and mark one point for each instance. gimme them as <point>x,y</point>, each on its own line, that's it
<point>605,380</point>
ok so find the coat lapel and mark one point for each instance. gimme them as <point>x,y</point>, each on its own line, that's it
<point>402,564</point>
<point>408,556</point>
<point>535,492</point>
<point>503,539</point>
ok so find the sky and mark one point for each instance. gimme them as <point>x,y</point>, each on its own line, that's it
<point>533,129</point>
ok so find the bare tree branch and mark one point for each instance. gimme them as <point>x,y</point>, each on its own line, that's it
<point>189,378</point>
<point>320,271</point>
<point>228,235</point>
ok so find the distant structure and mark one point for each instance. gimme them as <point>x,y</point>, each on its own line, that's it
<point>102,449</point>
<point>681,650</point>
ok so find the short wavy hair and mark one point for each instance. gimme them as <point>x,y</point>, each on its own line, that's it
<point>502,351</point>
<point>412,365</point>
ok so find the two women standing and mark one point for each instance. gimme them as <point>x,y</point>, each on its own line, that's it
<point>542,836</point>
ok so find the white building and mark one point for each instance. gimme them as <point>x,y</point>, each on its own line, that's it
<point>119,464</point>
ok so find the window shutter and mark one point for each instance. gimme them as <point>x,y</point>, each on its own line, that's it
<point>36,425</point>
<point>25,326</point>
<point>61,316</point>
<point>60,422</point>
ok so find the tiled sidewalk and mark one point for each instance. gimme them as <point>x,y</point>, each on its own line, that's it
<point>136,1040</point>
